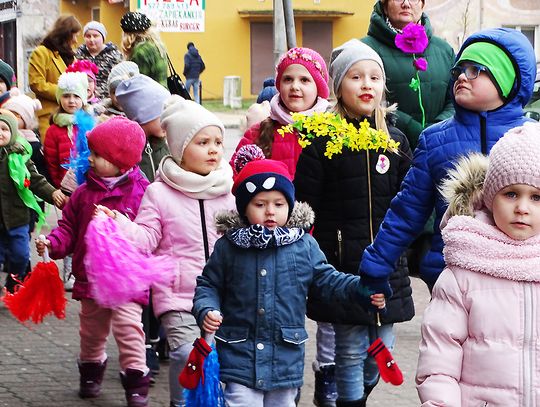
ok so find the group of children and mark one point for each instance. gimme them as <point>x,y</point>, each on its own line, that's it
<point>245,247</point>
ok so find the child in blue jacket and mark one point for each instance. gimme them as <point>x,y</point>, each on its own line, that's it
<point>492,80</point>
<point>258,277</point>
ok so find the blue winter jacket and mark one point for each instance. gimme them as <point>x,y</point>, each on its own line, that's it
<point>262,294</point>
<point>439,146</point>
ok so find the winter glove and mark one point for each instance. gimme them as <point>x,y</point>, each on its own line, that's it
<point>193,371</point>
<point>388,367</point>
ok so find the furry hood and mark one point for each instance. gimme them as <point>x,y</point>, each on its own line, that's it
<point>302,217</point>
<point>462,189</point>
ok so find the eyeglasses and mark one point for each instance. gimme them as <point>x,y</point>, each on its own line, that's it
<point>412,2</point>
<point>471,71</point>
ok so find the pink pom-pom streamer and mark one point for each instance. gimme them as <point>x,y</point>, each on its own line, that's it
<point>118,272</point>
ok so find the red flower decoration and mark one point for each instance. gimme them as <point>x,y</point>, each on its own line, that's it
<point>420,64</point>
<point>413,39</point>
<point>26,183</point>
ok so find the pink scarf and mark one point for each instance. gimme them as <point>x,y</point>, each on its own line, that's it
<point>280,113</point>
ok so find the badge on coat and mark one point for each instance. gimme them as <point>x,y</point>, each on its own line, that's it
<point>383,164</point>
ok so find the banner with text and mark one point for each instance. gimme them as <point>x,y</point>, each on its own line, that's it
<point>175,15</point>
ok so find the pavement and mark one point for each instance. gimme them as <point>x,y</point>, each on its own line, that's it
<point>38,363</point>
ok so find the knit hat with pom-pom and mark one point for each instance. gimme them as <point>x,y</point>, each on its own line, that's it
<point>26,107</point>
<point>254,173</point>
<point>513,160</point>
<point>84,65</point>
<point>75,83</point>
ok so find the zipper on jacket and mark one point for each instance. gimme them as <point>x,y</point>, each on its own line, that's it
<point>528,345</point>
<point>148,150</point>
<point>483,137</point>
<point>204,231</point>
<point>369,197</point>
<point>340,246</point>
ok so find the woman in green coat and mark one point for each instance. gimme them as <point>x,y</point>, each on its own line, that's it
<point>389,17</point>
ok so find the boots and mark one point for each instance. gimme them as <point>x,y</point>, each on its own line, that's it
<point>68,278</point>
<point>136,385</point>
<point>354,403</point>
<point>91,378</point>
<point>325,386</point>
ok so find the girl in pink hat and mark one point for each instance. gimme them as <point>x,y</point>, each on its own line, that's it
<point>302,84</point>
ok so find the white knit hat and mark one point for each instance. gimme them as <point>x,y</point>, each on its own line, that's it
<point>181,120</point>
<point>514,159</point>
<point>120,72</point>
<point>96,25</point>
<point>348,54</point>
<point>26,107</point>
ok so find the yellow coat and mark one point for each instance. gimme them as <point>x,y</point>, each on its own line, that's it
<point>44,69</point>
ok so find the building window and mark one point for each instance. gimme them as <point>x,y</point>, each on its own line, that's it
<point>95,14</point>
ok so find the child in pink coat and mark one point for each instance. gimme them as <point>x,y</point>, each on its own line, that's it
<point>302,84</point>
<point>113,181</point>
<point>176,218</point>
<point>480,331</point>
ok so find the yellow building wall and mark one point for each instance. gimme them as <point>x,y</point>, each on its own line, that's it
<point>225,44</point>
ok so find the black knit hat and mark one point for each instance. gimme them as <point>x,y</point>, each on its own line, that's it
<point>6,74</point>
<point>134,21</point>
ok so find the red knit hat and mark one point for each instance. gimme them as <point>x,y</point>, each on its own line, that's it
<point>119,140</point>
<point>312,61</point>
<point>255,173</point>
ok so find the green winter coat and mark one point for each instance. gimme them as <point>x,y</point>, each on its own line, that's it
<point>150,61</point>
<point>13,211</point>
<point>156,148</point>
<point>399,71</point>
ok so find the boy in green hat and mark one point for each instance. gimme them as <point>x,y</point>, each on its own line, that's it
<point>20,184</point>
<point>492,81</point>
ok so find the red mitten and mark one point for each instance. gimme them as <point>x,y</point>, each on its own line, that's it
<point>193,371</point>
<point>388,367</point>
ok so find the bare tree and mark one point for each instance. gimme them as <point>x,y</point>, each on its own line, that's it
<point>465,22</point>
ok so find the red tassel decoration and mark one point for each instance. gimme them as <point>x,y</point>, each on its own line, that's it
<point>41,293</point>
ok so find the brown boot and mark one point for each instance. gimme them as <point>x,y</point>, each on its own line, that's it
<point>91,378</point>
<point>136,385</point>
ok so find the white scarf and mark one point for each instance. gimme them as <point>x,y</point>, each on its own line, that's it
<point>216,183</point>
<point>281,114</point>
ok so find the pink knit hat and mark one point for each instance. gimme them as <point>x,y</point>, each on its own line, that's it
<point>514,159</point>
<point>312,61</point>
<point>84,65</point>
<point>119,140</point>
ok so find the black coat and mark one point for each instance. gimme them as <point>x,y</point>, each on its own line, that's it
<point>346,221</point>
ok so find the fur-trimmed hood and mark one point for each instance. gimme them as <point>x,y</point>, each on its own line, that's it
<point>302,217</point>
<point>462,189</point>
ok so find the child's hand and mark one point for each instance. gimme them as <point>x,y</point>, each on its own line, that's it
<point>105,210</point>
<point>212,321</point>
<point>378,301</point>
<point>59,199</point>
<point>42,245</point>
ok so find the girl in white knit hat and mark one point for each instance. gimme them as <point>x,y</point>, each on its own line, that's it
<point>176,218</point>
<point>479,332</point>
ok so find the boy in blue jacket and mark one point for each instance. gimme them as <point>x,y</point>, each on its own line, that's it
<point>258,277</point>
<point>492,81</point>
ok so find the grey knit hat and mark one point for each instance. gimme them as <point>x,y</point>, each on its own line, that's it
<point>141,98</point>
<point>181,120</point>
<point>348,54</point>
<point>120,72</point>
<point>96,25</point>
<point>513,160</point>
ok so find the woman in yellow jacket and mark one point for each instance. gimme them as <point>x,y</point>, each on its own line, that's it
<point>48,61</point>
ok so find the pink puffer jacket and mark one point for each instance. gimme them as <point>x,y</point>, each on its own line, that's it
<point>170,223</point>
<point>481,331</point>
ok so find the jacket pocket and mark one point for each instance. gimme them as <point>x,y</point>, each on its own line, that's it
<point>229,334</point>
<point>295,335</point>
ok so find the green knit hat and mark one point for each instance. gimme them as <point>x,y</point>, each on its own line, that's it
<point>8,118</point>
<point>75,83</point>
<point>496,60</point>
